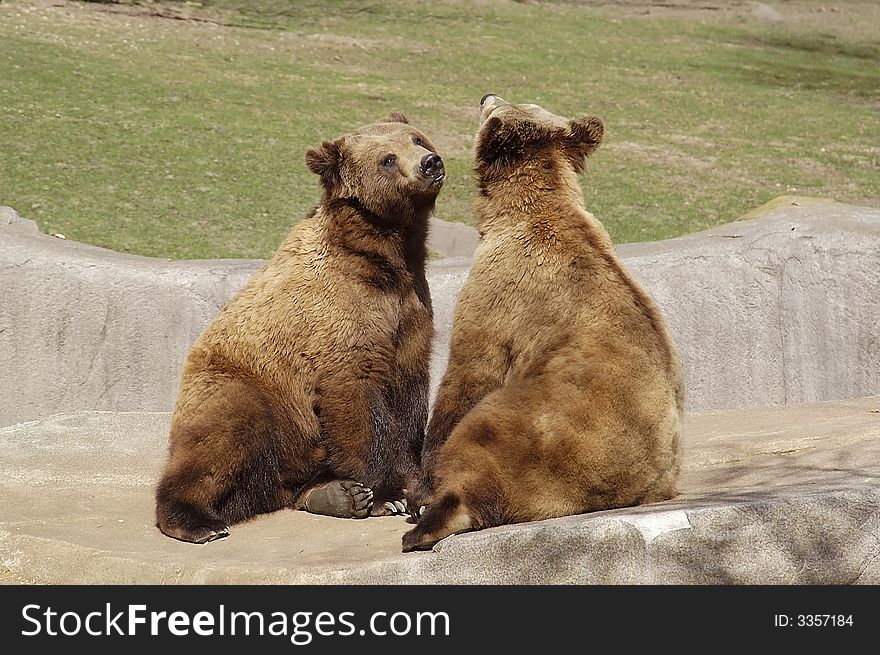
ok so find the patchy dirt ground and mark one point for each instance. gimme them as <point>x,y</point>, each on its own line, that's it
<point>853,18</point>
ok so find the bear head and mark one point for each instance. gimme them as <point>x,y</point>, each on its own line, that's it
<point>511,136</point>
<point>388,168</point>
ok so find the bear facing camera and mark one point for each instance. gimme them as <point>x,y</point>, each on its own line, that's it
<point>309,389</point>
<point>563,393</point>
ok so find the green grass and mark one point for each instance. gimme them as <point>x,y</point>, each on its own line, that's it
<point>185,139</point>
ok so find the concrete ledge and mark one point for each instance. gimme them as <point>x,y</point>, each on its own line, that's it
<point>782,495</point>
<point>781,308</point>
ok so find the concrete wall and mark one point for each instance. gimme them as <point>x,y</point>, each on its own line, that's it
<point>781,308</point>
<point>88,328</point>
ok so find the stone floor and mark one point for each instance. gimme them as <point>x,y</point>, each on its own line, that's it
<point>779,495</point>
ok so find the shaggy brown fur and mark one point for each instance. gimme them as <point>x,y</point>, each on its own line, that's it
<point>563,392</point>
<point>317,370</point>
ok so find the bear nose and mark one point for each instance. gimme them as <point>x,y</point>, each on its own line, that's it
<point>486,97</point>
<point>431,164</point>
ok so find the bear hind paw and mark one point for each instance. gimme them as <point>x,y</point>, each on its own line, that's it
<point>196,531</point>
<point>343,499</point>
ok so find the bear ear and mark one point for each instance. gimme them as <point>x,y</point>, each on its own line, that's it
<point>584,136</point>
<point>499,142</point>
<point>324,161</point>
<point>395,117</point>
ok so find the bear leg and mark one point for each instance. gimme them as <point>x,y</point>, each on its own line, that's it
<point>359,432</point>
<point>345,499</point>
<point>230,457</point>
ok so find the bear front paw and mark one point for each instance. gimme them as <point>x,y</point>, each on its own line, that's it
<point>416,501</point>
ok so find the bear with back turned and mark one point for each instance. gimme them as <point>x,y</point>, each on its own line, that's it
<point>563,393</point>
<point>309,388</point>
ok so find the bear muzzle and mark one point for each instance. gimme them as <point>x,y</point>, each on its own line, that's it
<point>489,103</point>
<point>432,167</point>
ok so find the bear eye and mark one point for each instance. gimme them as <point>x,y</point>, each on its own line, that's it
<point>389,161</point>
<point>417,141</point>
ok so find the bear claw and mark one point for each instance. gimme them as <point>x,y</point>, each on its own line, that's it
<point>390,508</point>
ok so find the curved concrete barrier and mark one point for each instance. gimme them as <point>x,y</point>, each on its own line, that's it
<point>783,307</point>
<point>88,328</point>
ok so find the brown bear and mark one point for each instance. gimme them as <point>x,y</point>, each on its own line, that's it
<point>563,393</point>
<point>309,388</point>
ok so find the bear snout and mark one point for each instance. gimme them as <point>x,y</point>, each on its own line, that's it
<point>432,166</point>
<point>489,103</point>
